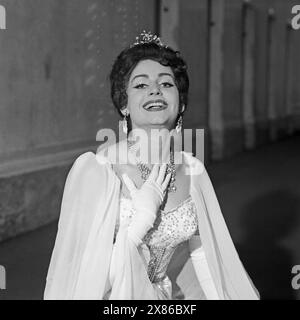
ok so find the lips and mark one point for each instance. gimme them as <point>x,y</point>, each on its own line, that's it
<point>155,105</point>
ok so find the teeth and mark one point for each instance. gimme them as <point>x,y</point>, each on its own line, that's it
<point>155,105</point>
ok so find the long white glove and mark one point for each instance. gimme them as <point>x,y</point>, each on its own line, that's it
<point>203,274</point>
<point>146,201</point>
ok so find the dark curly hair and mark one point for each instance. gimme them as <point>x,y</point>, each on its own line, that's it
<point>130,57</point>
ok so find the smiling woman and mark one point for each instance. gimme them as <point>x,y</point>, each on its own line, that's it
<point>153,97</point>
<point>122,223</point>
<point>145,73</point>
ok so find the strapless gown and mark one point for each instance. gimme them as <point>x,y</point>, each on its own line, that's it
<point>171,228</point>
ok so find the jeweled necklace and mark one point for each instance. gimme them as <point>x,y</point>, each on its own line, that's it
<point>145,170</point>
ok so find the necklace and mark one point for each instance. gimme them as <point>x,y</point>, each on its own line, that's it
<point>145,170</point>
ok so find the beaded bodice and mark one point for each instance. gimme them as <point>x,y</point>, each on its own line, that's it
<point>170,229</point>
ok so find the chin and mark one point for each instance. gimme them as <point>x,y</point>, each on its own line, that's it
<point>161,120</point>
<point>160,125</point>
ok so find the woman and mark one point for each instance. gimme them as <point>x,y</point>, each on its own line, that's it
<point>124,218</point>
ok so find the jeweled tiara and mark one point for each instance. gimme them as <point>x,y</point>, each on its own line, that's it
<point>147,37</point>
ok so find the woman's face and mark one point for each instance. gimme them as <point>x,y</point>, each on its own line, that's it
<point>153,98</point>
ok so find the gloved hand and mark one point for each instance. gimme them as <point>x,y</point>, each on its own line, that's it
<point>146,201</point>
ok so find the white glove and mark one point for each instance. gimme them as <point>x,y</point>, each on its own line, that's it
<point>146,201</point>
<point>203,274</point>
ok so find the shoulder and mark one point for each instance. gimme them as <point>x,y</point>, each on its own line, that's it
<point>86,159</point>
<point>88,173</point>
<point>193,164</point>
<point>87,164</point>
<point>112,154</point>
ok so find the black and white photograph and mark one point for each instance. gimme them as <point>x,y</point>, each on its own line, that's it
<point>150,150</point>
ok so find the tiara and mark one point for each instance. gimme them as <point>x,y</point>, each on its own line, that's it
<point>147,37</point>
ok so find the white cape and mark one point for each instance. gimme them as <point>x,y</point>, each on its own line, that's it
<point>80,265</point>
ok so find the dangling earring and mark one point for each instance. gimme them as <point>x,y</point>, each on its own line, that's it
<point>179,124</point>
<point>124,122</point>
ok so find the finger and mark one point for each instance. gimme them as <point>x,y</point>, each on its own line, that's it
<point>166,181</point>
<point>157,189</point>
<point>154,172</point>
<point>129,183</point>
<point>162,173</point>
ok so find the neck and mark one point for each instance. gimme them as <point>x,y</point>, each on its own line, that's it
<point>153,145</point>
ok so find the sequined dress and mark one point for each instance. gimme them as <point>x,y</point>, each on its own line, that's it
<point>171,228</point>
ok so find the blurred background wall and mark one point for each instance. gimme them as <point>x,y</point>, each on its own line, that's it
<point>55,60</point>
<point>55,57</point>
<point>244,68</point>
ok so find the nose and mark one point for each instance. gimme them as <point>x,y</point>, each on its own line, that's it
<point>155,90</point>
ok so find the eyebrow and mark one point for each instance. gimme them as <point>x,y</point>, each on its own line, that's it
<point>146,76</point>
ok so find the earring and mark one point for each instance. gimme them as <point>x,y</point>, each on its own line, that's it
<point>179,124</point>
<point>124,122</point>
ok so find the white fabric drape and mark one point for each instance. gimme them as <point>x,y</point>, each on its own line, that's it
<point>80,266</point>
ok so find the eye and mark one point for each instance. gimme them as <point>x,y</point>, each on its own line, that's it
<point>140,86</point>
<point>167,84</point>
